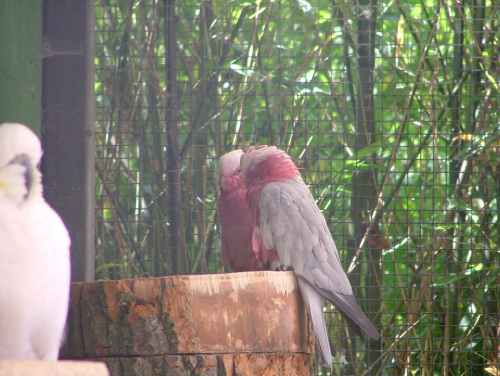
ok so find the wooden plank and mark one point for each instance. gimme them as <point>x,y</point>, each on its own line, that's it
<point>68,124</point>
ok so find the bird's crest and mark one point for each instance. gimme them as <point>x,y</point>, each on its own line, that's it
<point>229,163</point>
<point>267,163</point>
<point>229,167</point>
<point>16,139</point>
<point>20,152</point>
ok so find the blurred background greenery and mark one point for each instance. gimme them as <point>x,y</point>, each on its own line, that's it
<point>390,109</point>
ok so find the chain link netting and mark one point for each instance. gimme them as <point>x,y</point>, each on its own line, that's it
<point>390,109</point>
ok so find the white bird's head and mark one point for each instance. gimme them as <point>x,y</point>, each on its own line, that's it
<point>20,153</point>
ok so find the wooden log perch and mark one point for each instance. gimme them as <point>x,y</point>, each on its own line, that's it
<point>218,324</point>
<point>61,368</point>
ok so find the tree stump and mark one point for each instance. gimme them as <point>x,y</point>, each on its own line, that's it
<point>41,368</point>
<point>218,324</point>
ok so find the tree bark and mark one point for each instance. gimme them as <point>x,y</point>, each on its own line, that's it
<point>215,324</point>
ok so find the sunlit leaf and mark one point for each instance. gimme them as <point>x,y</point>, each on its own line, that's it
<point>304,5</point>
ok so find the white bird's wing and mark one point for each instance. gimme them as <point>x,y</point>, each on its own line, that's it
<point>34,254</point>
<point>18,283</point>
<point>54,256</point>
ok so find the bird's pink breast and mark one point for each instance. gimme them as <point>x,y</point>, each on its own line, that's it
<point>237,222</point>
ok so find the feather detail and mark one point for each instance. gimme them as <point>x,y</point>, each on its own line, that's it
<point>12,183</point>
<point>236,219</point>
<point>290,222</point>
<point>34,254</point>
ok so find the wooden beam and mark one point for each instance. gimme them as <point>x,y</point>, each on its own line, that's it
<point>68,115</point>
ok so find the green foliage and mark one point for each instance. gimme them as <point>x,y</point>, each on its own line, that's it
<point>288,73</point>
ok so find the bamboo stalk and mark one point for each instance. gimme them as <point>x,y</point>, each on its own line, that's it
<point>455,104</point>
<point>176,240</point>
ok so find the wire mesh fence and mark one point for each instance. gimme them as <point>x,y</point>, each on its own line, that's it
<point>390,109</point>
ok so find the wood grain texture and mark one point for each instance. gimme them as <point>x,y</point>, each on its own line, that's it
<point>219,324</point>
<point>244,364</point>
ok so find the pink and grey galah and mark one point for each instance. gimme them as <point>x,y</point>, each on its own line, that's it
<point>34,254</point>
<point>269,220</point>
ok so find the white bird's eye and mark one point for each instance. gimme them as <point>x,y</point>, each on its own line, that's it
<point>24,161</point>
<point>13,183</point>
<point>21,159</point>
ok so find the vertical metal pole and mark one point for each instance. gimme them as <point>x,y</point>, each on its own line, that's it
<point>68,117</point>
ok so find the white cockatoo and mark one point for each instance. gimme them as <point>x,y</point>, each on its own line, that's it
<point>34,254</point>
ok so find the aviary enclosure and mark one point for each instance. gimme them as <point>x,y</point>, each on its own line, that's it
<point>390,108</point>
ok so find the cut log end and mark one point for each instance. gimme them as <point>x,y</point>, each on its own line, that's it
<point>223,322</point>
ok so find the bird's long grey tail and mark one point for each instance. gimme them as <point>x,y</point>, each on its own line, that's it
<point>352,311</point>
<point>314,302</point>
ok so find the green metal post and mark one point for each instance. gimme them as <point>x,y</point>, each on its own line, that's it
<point>20,62</point>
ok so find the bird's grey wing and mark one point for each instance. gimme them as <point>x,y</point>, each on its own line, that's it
<point>291,223</point>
